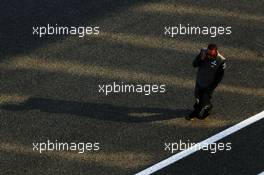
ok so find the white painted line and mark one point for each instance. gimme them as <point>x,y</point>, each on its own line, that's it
<point>199,145</point>
<point>261,173</point>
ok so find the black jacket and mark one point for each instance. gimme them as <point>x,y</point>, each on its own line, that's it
<point>210,71</point>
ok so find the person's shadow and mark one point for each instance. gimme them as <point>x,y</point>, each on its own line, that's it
<point>98,111</point>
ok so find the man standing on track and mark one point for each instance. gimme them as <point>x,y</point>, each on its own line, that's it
<point>211,66</point>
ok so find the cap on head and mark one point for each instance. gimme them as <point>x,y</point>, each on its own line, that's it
<point>212,47</point>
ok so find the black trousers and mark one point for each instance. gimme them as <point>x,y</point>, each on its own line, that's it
<point>203,98</point>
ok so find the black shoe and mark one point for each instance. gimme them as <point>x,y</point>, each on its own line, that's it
<point>206,113</point>
<point>193,115</point>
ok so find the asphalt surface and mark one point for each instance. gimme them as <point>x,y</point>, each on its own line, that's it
<point>49,86</point>
<point>245,157</point>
